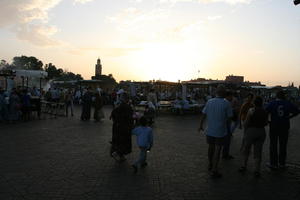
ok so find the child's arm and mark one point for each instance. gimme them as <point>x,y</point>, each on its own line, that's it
<point>134,131</point>
<point>151,138</point>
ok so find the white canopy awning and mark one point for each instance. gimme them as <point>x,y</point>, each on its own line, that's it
<point>31,73</point>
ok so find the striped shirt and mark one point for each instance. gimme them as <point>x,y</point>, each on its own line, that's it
<point>218,111</point>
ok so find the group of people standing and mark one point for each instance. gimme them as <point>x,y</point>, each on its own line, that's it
<point>221,116</point>
<point>17,104</point>
<point>87,100</point>
<point>123,129</point>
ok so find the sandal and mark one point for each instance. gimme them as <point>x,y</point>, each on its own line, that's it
<point>215,175</point>
<point>242,169</point>
<point>257,174</point>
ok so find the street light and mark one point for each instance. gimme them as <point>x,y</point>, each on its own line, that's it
<point>296,2</point>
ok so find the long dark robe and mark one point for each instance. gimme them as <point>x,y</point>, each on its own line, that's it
<point>121,132</point>
<point>14,107</point>
<point>98,113</point>
<point>86,106</point>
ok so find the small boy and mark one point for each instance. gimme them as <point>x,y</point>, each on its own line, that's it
<point>144,137</point>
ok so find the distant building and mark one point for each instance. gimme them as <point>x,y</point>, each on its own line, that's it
<point>98,68</point>
<point>98,71</point>
<point>197,80</point>
<point>234,79</point>
<point>248,83</point>
<point>100,80</point>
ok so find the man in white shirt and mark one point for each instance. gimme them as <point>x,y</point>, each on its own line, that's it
<point>217,112</point>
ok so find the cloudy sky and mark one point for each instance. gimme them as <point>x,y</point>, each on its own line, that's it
<point>158,39</point>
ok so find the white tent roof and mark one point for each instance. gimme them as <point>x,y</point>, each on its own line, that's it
<point>31,73</point>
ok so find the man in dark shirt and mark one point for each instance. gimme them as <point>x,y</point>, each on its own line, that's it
<point>281,112</point>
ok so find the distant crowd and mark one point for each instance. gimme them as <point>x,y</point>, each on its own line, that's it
<point>18,103</point>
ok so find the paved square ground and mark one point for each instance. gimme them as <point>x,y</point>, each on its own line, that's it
<point>66,159</point>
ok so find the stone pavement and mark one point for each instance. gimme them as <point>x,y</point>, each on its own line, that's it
<point>66,159</point>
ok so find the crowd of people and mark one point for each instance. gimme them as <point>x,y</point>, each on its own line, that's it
<point>18,103</point>
<point>223,113</point>
<point>220,113</point>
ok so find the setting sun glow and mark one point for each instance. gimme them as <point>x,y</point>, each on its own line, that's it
<point>157,39</point>
<point>171,61</point>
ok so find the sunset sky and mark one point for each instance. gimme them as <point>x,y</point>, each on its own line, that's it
<point>158,39</point>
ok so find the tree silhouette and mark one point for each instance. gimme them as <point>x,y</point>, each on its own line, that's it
<point>27,63</point>
<point>4,65</point>
<point>32,63</point>
<point>60,75</point>
<point>53,72</point>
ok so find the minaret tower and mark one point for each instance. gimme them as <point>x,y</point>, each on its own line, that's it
<point>98,68</point>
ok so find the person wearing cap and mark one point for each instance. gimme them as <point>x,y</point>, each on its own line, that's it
<point>281,112</point>
<point>217,112</point>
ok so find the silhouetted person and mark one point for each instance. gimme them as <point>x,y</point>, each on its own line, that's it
<point>281,112</point>
<point>99,102</point>
<point>122,117</point>
<point>69,100</point>
<point>218,112</point>
<point>245,108</point>
<point>144,137</point>
<point>86,105</point>
<point>255,134</point>
<point>2,104</point>
<point>152,97</point>
<point>15,104</point>
<point>26,105</point>
<point>227,141</point>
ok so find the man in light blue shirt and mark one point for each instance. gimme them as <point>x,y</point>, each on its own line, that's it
<point>217,112</point>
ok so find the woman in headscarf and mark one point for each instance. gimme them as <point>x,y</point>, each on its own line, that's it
<point>98,113</point>
<point>86,105</point>
<point>122,117</point>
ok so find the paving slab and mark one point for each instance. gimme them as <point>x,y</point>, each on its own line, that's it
<point>67,159</point>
